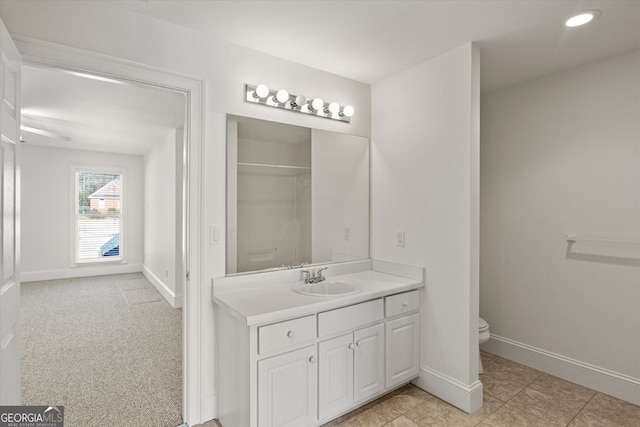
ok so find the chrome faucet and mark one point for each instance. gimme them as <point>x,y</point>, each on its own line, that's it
<point>314,277</point>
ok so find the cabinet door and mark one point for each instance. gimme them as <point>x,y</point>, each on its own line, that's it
<point>335,375</point>
<point>403,349</point>
<point>287,389</point>
<point>368,362</point>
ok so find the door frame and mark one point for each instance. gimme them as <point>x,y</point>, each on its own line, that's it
<point>45,54</point>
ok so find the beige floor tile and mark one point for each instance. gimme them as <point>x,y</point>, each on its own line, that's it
<point>489,405</point>
<point>372,417</point>
<point>435,412</point>
<point>590,419</point>
<point>488,358</point>
<point>386,411</point>
<point>513,371</point>
<point>545,407</point>
<point>333,423</point>
<point>561,389</point>
<point>616,410</point>
<point>509,416</point>
<point>404,402</point>
<point>349,415</point>
<point>502,388</point>
<point>412,390</point>
<point>402,421</point>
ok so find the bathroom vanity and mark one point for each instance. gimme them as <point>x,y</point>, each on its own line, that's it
<point>289,359</point>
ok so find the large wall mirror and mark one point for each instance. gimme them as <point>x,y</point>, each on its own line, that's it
<point>294,196</point>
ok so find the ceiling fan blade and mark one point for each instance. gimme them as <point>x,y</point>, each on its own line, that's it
<point>43,132</point>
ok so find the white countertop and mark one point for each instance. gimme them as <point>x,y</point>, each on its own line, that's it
<point>258,302</point>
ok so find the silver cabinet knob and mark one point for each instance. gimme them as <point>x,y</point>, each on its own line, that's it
<point>358,343</point>
<point>350,346</point>
<point>291,334</point>
<point>405,305</point>
<point>312,359</point>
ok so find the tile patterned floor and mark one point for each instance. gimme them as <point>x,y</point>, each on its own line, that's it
<point>514,395</point>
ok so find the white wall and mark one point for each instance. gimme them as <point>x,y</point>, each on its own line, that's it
<point>102,28</point>
<point>561,154</point>
<point>425,144</point>
<point>161,261</point>
<point>47,233</point>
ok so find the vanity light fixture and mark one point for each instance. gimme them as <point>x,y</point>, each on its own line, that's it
<point>316,104</point>
<point>332,108</point>
<point>299,101</point>
<point>347,111</point>
<point>261,94</point>
<point>583,18</point>
<point>281,97</point>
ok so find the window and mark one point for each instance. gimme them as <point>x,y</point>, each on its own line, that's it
<point>98,208</point>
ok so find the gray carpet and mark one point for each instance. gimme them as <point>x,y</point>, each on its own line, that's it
<point>108,348</point>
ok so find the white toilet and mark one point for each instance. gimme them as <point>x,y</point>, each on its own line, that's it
<point>483,337</point>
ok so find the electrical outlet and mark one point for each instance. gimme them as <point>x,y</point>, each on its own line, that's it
<point>400,239</point>
<point>347,234</point>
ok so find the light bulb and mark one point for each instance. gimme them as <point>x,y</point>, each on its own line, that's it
<point>262,91</point>
<point>316,104</point>
<point>347,111</point>
<point>299,101</point>
<point>282,96</point>
<point>332,108</point>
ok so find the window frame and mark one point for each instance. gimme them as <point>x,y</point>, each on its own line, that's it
<point>74,188</point>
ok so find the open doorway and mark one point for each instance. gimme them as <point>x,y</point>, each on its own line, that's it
<point>112,308</point>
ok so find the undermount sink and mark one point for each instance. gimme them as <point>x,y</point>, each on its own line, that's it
<point>328,288</point>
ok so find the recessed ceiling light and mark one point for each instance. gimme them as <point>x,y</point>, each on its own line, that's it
<point>582,18</point>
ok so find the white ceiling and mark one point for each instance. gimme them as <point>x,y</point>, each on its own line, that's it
<point>362,40</point>
<point>370,40</point>
<point>96,115</point>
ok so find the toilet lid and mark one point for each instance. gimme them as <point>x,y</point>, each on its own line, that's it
<point>482,324</point>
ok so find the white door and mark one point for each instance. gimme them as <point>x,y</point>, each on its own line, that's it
<point>10,66</point>
<point>287,389</point>
<point>368,376</point>
<point>335,375</point>
<point>403,349</point>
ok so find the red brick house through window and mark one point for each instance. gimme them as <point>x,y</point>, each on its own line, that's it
<point>106,199</point>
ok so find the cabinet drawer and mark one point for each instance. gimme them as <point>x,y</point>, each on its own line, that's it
<point>285,335</point>
<point>402,303</point>
<point>349,318</point>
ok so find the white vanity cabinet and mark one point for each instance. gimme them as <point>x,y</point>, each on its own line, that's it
<point>351,370</point>
<point>307,364</point>
<point>287,389</point>
<point>403,337</point>
<point>351,366</point>
<point>287,383</point>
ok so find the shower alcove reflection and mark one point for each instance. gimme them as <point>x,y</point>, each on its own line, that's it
<point>273,196</point>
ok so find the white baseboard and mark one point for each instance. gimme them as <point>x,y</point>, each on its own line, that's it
<point>467,398</point>
<point>167,293</point>
<point>209,406</point>
<point>603,380</point>
<point>69,273</point>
